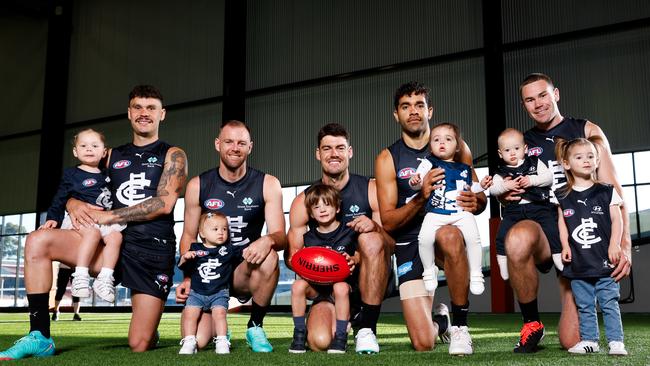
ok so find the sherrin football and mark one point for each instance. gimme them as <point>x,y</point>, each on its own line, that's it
<point>320,265</point>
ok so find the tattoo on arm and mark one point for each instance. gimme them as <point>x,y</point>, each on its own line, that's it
<point>140,211</point>
<point>175,170</point>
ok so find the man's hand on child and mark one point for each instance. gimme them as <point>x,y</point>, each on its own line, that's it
<point>49,224</point>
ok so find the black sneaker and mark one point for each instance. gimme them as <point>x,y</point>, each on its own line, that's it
<point>298,342</point>
<point>531,334</point>
<point>339,343</point>
<point>55,316</point>
<point>76,317</point>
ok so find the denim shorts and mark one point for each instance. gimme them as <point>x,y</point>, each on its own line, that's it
<point>208,302</point>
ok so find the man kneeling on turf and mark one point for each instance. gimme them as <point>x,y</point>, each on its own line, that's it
<point>323,202</point>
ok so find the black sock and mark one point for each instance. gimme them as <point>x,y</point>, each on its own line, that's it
<point>39,317</point>
<point>442,322</point>
<point>459,314</point>
<point>529,311</point>
<point>257,315</point>
<point>370,316</point>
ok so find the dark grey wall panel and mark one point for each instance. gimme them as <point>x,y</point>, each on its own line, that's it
<point>192,129</point>
<point>176,46</point>
<point>23,42</point>
<point>285,124</point>
<point>20,157</point>
<point>296,40</point>
<point>525,19</point>
<point>604,79</point>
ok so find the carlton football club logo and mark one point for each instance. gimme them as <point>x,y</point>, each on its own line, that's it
<point>535,151</point>
<point>121,164</point>
<point>213,204</point>
<point>406,173</point>
<point>130,192</point>
<point>89,182</point>
<point>584,234</point>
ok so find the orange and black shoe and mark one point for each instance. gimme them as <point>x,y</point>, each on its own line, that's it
<point>531,334</point>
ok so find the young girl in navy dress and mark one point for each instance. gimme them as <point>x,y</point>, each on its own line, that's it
<point>590,226</point>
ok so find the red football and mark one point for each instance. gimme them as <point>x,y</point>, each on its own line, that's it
<point>320,265</point>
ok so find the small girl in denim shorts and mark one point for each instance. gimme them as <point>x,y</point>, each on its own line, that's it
<point>209,265</point>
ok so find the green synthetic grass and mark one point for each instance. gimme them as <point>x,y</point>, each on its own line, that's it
<point>100,339</point>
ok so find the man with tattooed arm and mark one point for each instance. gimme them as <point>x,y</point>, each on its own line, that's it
<point>147,176</point>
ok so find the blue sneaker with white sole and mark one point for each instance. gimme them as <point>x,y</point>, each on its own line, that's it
<point>256,339</point>
<point>31,345</point>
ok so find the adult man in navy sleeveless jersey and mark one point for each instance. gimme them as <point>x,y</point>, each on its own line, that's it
<point>248,198</point>
<point>527,243</point>
<point>401,208</point>
<point>360,211</point>
<point>159,171</point>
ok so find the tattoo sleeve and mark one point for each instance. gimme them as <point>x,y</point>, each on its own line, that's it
<point>174,175</point>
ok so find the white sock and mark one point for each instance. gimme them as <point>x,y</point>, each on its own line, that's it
<point>81,271</point>
<point>105,272</point>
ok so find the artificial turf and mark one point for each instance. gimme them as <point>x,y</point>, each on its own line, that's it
<point>100,339</point>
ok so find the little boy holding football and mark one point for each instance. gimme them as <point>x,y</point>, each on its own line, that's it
<point>323,203</point>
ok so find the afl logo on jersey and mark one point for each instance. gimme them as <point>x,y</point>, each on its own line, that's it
<point>535,151</point>
<point>213,204</point>
<point>406,173</point>
<point>121,164</point>
<point>201,253</point>
<point>568,212</point>
<point>89,182</point>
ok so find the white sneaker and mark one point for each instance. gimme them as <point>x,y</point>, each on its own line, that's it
<point>80,285</point>
<point>441,309</point>
<point>188,346</point>
<point>617,348</point>
<point>461,341</point>
<point>221,345</point>
<point>104,288</point>
<point>476,283</point>
<point>584,347</point>
<point>366,342</point>
<point>430,278</point>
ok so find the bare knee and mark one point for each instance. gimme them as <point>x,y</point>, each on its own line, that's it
<point>140,344</point>
<point>450,240</point>
<point>319,341</point>
<point>340,290</point>
<point>270,264</point>
<point>36,245</point>
<point>299,287</point>
<point>371,245</point>
<point>422,344</point>
<point>519,242</point>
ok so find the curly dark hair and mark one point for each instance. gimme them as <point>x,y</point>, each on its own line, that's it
<point>412,87</point>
